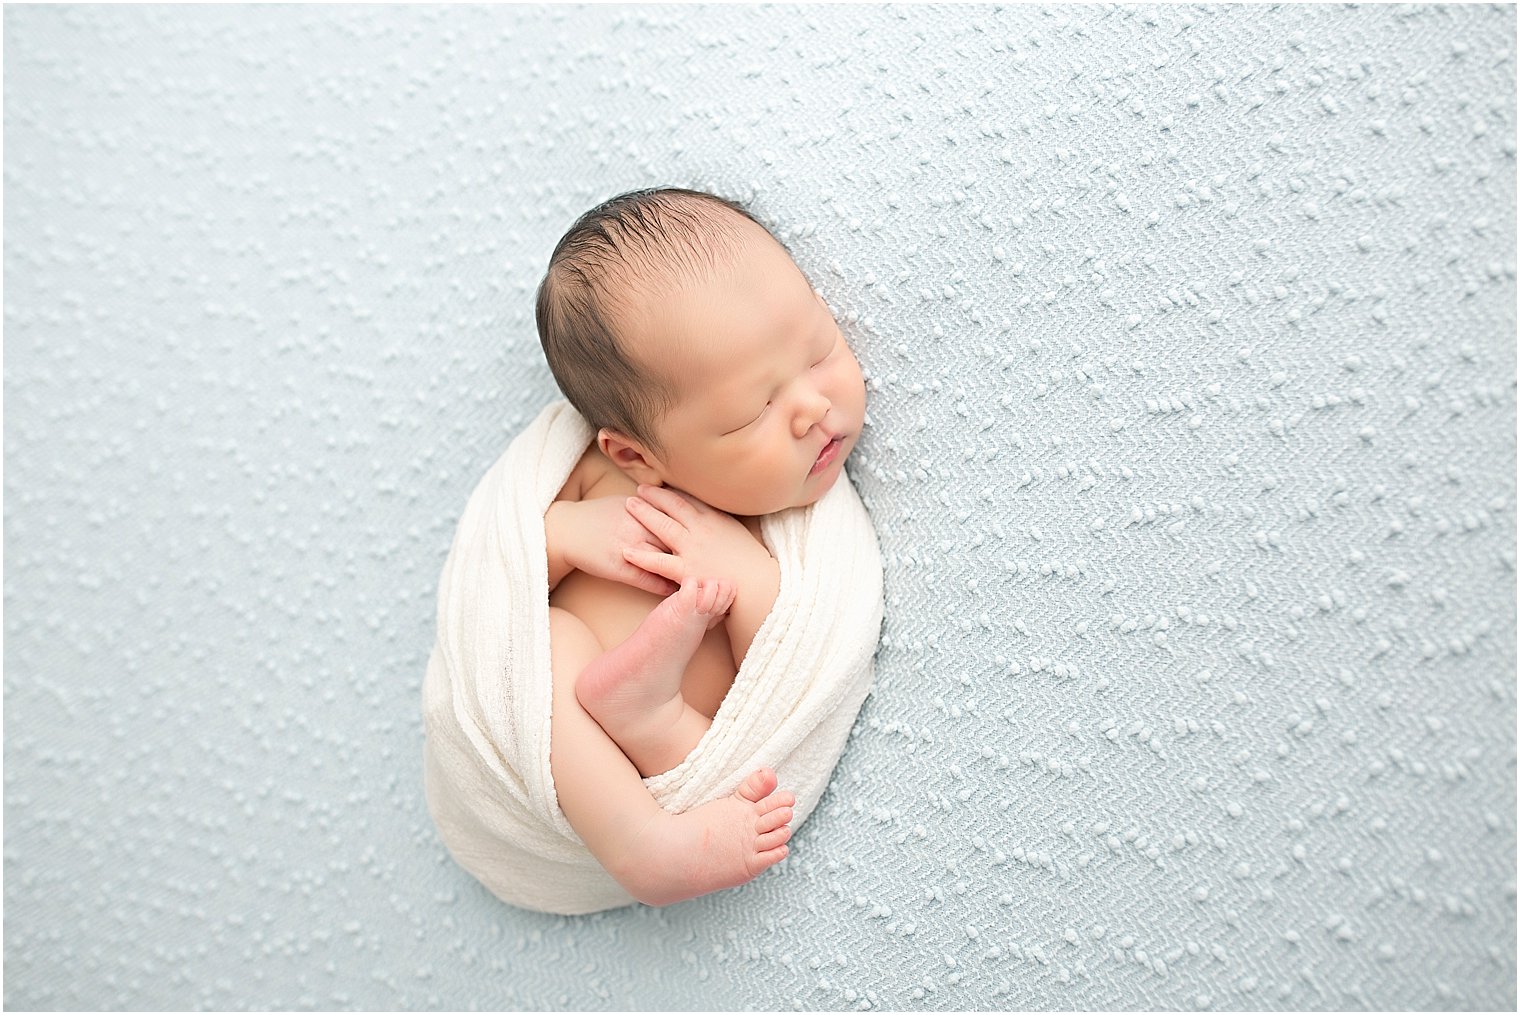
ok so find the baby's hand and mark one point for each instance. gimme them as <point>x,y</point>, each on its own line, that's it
<point>605,530</point>
<point>703,541</point>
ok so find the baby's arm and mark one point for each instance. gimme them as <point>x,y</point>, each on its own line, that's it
<point>758,577</point>
<point>557,536</point>
<point>709,542</point>
<point>590,536</point>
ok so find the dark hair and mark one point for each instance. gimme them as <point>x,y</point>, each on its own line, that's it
<point>614,253</point>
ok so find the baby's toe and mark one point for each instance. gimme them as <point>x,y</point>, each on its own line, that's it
<point>758,785</point>
<point>773,819</point>
<point>781,798</point>
<point>769,858</point>
<point>704,597</point>
<point>770,840</point>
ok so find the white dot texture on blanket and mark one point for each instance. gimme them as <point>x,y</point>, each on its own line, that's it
<point>1190,342</point>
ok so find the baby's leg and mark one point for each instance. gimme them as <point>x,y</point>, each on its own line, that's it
<point>658,857</point>
<point>634,689</point>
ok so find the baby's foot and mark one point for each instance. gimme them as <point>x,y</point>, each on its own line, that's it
<point>634,689</point>
<point>721,844</point>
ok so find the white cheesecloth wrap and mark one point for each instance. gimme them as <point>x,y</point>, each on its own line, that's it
<point>488,690</point>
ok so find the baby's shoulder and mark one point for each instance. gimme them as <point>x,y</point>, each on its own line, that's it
<point>595,476</point>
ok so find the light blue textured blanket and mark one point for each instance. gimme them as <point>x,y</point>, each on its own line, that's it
<point>1190,343</point>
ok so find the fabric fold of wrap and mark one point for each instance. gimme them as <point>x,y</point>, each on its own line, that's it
<point>488,689</point>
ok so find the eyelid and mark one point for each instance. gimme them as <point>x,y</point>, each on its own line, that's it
<point>746,426</point>
<point>833,346</point>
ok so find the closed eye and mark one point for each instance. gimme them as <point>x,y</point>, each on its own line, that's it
<point>737,429</point>
<point>833,346</point>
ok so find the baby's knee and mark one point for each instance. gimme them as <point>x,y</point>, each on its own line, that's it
<point>572,647</point>
<point>569,635</point>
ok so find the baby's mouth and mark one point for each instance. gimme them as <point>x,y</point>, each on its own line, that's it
<point>827,454</point>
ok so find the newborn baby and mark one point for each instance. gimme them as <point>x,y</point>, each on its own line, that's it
<point>721,390</point>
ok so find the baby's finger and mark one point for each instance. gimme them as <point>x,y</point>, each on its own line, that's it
<point>656,522</point>
<point>662,564</point>
<point>670,502</point>
<point>641,579</point>
<point>646,539</point>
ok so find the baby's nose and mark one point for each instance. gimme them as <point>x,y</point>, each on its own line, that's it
<point>814,416</point>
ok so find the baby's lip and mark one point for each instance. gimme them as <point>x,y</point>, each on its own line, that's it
<point>839,438</point>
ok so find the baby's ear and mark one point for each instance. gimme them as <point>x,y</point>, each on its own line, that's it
<point>618,448</point>
<point>609,441</point>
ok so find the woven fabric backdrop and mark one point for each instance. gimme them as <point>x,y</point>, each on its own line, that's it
<point>1190,344</point>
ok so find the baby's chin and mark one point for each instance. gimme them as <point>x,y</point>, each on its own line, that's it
<point>758,509</point>
<point>812,495</point>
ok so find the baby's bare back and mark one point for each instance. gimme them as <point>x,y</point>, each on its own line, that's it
<point>612,610</point>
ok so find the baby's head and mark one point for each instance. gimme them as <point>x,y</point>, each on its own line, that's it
<point>683,332</point>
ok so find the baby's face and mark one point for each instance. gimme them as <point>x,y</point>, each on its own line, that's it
<point>765,380</point>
